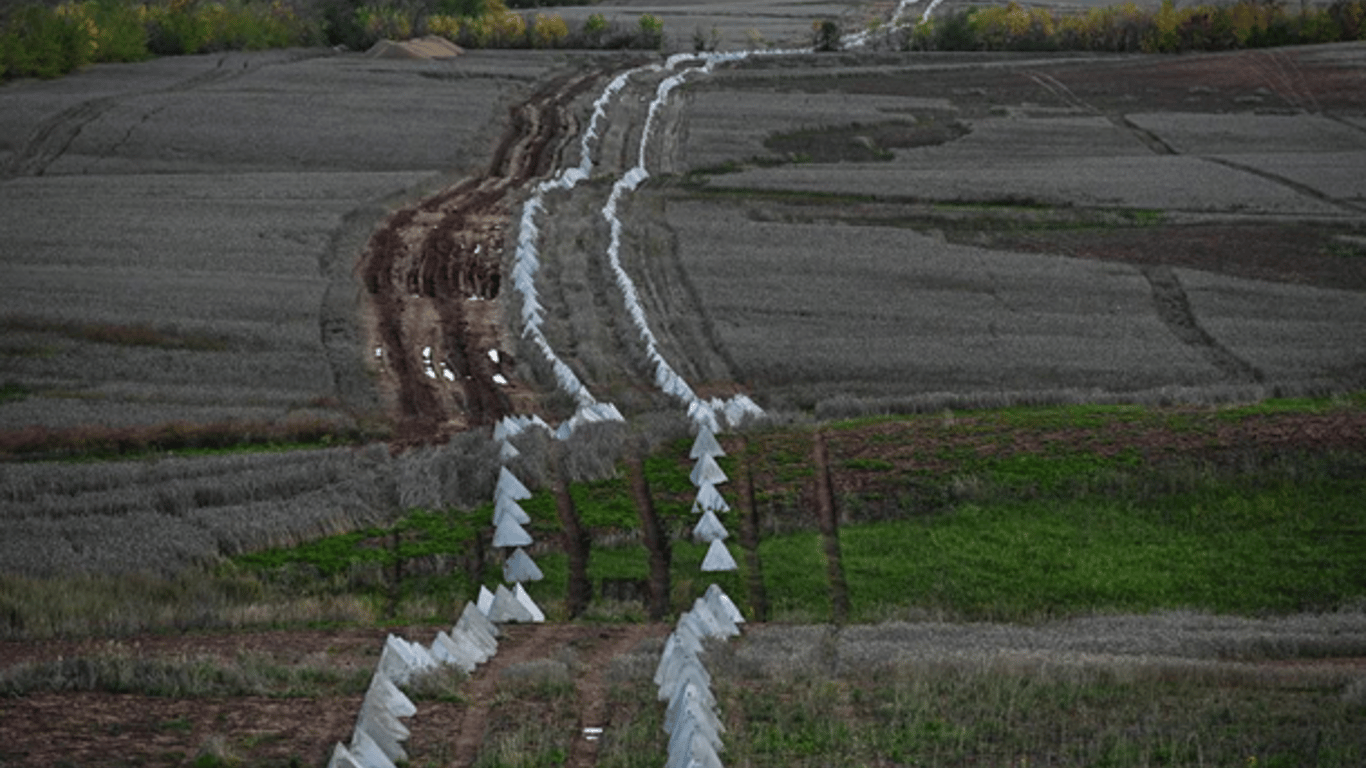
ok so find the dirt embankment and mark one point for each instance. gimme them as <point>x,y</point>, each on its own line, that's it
<point>433,280</point>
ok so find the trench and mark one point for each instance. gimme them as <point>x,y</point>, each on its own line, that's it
<point>1174,310</point>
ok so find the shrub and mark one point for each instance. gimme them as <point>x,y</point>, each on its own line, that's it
<point>549,31</point>
<point>40,42</point>
<point>443,25</point>
<point>651,31</point>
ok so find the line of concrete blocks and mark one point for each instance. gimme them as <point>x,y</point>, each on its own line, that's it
<point>377,741</point>
<point>690,716</point>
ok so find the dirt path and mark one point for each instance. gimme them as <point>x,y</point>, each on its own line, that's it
<point>433,281</point>
<point>598,645</point>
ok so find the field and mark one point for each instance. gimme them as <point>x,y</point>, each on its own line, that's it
<point>1062,357</point>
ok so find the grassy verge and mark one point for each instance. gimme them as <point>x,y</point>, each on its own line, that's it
<point>1016,514</point>
<point>998,713</point>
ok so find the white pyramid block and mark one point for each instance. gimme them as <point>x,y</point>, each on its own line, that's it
<point>508,451</point>
<point>367,753</point>
<point>520,568</point>
<point>485,601</point>
<point>471,619</point>
<point>719,558</point>
<point>448,651</point>
<point>478,643</point>
<point>507,427</point>
<point>709,498</point>
<point>709,528</point>
<point>532,608</point>
<point>341,758</point>
<point>507,608</point>
<point>506,507</point>
<point>383,693</point>
<point>705,444</point>
<point>719,626</point>
<point>693,737</point>
<point>395,662</point>
<point>386,731</point>
<point>697,753</point>
<point>707,472</point>
<point>687,669</point>
<point>509,486</point>
<point>689,701</point>
<point>718,597</point>
<point>422,658</point>
<point>510,534</point>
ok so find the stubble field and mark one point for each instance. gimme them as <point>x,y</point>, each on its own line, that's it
<point>838,236</point>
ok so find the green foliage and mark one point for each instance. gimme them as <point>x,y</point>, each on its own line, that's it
<point>651,31</point>
<point>1126,27</point>
<point>42,42</point>
<point>1222,548</point>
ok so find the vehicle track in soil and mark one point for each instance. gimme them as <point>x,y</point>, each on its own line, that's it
<point>433,279</point>
<point>597,646</point>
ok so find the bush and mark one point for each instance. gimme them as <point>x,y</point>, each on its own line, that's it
<point>651,31</point>
<point>549,31</point>
<point>825,35</point>
<point>46,43</point>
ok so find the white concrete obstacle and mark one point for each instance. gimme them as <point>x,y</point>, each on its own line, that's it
<point>510,533</point>
<point>510,487</point>
<point>506,506</point>
<point>367,753</point>
<point>485,600</point>
<point>690,716</point>
<point>708,498</point>
<point>474,619</point>
<point>705,444</point>
<point>522,597</point>
<point>400,660</point>
<point>719,558</point>
<point>707,472</point>
<point>709,528</point>
<point>520,568</point>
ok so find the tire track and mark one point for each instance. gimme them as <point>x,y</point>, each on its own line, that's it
<point>433,277</point>
<point>55,135</point>
<point>531,642</point>
<point>1174,310</point>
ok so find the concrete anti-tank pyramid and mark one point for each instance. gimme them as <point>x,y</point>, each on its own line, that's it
<point>709,498</point>
<point>705,444</point>
<point>719,601</point>
<point>365,751</point>
<point>448,651</point>
<point>383,693</point>
<point>386,731</point>
<point>485,602</point>
<point>707,472</point>
<point>506,507</point>
<point>509,486</point>
<point>535,610</point>
<point>709,528</point>
<point>471,618</point>
<point>507,608</point>
<point>510,534</point>
<point>341,758</point>
<point>719,558</point>
<point>520,568</point>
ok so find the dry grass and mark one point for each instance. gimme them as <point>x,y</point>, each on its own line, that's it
<point>788,699</point>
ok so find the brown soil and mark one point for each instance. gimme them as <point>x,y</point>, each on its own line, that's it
<point>107,729</point>
<point>433,282</point>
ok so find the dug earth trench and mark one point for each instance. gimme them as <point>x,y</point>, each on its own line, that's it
<point>433,281</point>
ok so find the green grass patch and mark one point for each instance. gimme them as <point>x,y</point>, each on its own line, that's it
<point>1226,549</point>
